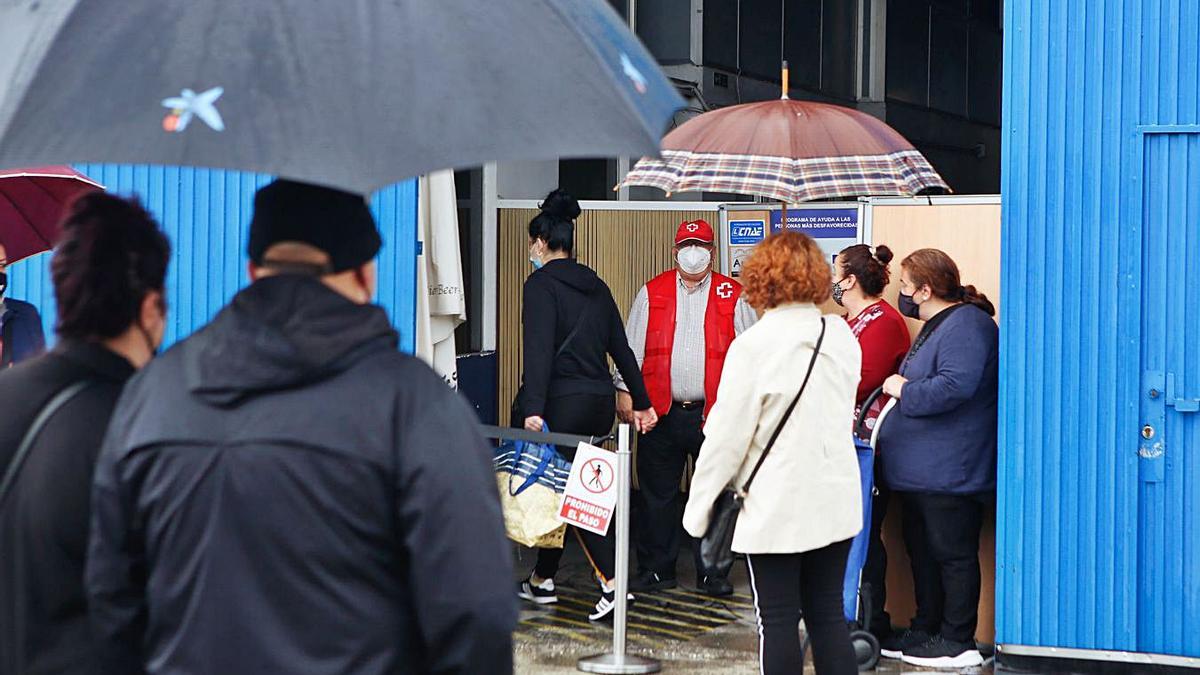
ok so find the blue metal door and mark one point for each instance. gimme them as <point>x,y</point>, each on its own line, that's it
<point>1169,440</point>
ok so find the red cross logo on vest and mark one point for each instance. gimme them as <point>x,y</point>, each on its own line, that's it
<point>725,291</point>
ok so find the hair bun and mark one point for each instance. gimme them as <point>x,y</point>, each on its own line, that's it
<point>561,204</point>
<point>884,254</point>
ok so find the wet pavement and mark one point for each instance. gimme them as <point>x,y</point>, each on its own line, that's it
<point>687,631</point>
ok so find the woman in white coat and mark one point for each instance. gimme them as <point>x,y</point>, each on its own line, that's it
<point>805,505</point>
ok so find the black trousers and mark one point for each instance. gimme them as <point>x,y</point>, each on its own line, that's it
<point>661,458</point>
<point>810,584</point>
<point>583,415</point>
<point>879,622</point>
<point>941,533</point>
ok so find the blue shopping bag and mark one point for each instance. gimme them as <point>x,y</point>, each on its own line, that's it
<point>531,478</point>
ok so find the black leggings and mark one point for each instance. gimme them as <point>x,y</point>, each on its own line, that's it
<point>787,585</point>
<point>583,415</point>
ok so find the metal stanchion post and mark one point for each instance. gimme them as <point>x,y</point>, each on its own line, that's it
<point>618,662</point>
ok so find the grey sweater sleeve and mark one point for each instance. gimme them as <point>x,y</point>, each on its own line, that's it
<point>635,332</point>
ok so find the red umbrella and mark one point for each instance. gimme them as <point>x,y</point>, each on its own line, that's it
<point>793,151</point>
<point>32,202</point>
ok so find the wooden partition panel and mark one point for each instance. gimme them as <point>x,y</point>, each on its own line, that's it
<point>627,248</point>
<point>970,234</point>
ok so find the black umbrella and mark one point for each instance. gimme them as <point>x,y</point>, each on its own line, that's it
<point>352,93</point>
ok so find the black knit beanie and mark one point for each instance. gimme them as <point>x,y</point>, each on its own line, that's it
<point>336,222</point>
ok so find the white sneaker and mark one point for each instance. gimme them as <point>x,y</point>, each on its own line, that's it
<point>606,605</point>
<point>542,594</point>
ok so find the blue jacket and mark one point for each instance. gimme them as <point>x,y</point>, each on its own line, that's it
<point>22,332</point>
<point>941,436</point>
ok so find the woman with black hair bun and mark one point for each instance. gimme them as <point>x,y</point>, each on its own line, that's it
<point>861,274</point>
<point>108,269</point>
<point>572,325</point>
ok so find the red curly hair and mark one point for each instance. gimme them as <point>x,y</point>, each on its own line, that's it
<point>786,268</point>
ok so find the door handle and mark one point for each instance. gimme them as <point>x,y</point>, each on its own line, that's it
<point>1183,405</point>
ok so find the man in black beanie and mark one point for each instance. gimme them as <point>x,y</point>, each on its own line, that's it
<point>286,492</point>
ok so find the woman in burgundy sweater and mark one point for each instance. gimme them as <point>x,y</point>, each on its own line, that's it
<point>862,274</point>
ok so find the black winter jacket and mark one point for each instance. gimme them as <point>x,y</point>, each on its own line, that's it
<point>285,492</point>
<point>554,297</point>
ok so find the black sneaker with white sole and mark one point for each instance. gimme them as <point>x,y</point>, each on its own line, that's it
<point>542,594</point>
<point>606,605</point>
<point>942,653</point>
<point>716,587</point>
<point>894,646</point>
<point>647,581</point>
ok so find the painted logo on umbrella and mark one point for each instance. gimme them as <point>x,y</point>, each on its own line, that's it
<point>635,76</point>
<point>189,104</point>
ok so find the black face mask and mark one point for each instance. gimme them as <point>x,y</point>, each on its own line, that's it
<point>909,308</point>
<point>3,282</point>
<point>838,292</point>
<point>154,349</point>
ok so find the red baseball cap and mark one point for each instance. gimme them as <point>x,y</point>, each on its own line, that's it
<point>694,230</point>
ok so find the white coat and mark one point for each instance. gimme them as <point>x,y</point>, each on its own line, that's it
<point>808,494</point>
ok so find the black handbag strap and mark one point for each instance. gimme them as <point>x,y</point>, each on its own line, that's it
<point>812,362</point>
<point>39,423</point>
<point>515,412</point>
<point>583,313</point>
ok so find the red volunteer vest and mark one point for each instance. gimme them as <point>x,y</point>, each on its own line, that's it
<point>723,294</point>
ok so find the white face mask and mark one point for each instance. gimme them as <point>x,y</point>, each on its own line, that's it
<point>693,259</point>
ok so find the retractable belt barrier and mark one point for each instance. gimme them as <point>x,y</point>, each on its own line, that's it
<point>514,434</point>
<point>616,662</point>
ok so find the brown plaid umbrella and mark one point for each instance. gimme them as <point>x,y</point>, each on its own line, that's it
<point>793,151</point>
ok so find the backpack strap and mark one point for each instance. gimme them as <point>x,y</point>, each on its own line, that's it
<point>39,423</point>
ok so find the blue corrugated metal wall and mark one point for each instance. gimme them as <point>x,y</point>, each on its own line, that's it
<point>206,213</point>
<point>1169,545</point>
<point>1082,79</point>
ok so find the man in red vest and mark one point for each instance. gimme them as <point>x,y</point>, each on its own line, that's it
<point>680,327</point>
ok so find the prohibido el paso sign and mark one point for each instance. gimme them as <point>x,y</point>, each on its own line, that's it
<point>591,494</point>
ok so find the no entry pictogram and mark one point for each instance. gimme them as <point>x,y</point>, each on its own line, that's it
<point>598,475</point>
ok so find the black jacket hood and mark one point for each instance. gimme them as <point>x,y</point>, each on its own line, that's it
<point>580,277</point>
<point>279,333</point>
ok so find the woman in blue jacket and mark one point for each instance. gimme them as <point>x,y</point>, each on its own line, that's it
<point>938,448</point>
